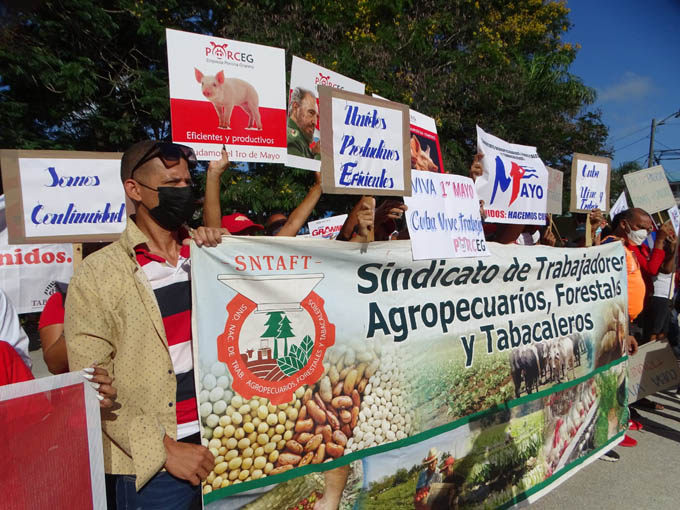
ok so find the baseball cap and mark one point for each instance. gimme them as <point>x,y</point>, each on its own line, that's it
<point>238,222</point>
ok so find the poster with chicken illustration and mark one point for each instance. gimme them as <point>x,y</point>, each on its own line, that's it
<point>302,125</point>
<point>225,92</point>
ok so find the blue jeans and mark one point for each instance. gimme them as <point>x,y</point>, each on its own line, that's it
<point>162,492</point>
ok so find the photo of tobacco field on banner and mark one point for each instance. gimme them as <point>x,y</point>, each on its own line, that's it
<point>457,383</point>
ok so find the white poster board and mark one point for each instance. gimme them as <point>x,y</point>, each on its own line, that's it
<point>327,228</point>
<point>63,196</point>
<point>514,182</point>
<point>28,272</point>
<point>589,183</point>
<point>674,214</point>
<point>364,144</point>
<point>227,92</point>
<point>443,217</point>
<point>308,76</point>
<point>620,205</point>
<point>649,189</point>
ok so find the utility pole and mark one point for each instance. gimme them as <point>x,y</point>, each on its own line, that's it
<point>655,124</point>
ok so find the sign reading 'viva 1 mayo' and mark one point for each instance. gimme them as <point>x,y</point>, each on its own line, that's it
<point>364,144</point>
<point>71,197</point>
<point>227,92</point>
<point>514,185</point>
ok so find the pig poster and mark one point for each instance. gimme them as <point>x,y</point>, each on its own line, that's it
<point>227,92</point>
<point>303,111</point>
<point>426,154</point>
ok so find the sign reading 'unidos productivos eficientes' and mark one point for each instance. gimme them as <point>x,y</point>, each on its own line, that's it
<point>364,144</point>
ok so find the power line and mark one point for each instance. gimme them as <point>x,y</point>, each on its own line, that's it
<point>629,134</point>
<point>632,143</point>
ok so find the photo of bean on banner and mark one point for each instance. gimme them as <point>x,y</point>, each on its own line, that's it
<point>226,93</point>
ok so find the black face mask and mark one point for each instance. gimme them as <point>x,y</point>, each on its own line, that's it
<point>175,206</point>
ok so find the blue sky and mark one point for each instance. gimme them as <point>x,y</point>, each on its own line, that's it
<point>630,53</point>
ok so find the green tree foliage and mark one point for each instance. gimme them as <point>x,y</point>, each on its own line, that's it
<point>617,185</point>
<point>285,332</point>
<point>88,75</point>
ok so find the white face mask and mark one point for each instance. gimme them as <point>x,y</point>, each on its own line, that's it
<point>637,237</point>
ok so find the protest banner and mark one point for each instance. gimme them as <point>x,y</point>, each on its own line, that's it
<point>29,272</point>
<point>62,196</point>
<point>590,177</point>
<point>654,368</point>
<point>674,215</point>
<point>443,217</point>
<point>327,228</point>
<point>426,153</point>
<point>555,186</point>
<point>364,144</point>
<point>51,455</point>
<point>225,92</point>
<point>511,363</point>
<point>514,182</point>
<point>304,150</point>
<point>649,189</point>
<point>620,205</point>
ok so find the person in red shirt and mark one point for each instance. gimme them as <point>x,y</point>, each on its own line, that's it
<point>12,367</point>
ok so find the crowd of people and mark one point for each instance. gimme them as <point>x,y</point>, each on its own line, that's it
<point>124,319</point>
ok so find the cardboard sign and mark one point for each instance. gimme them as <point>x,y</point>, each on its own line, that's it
<point>302,133</point>
<point>426,153</point>
<point>364,144</point>
<point>227,92</point>
<point>654,368</point>
<point>326,228</point>
<point>28,272</point>
<point>555,186</point>
<point>649,189</point>
<point>63,196</point>
<point>52,439</point>
<point>674,214</point>
<point>620,205</point>
<point>589,183</point>
<point>443,217</point>
<point>514,184</point>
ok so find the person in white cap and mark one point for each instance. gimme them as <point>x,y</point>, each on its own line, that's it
<point>426,478</point>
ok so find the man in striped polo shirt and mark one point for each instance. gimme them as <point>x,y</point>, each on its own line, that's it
<point>129,309</point>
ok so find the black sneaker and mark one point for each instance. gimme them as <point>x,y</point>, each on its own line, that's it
<point>610,456</point>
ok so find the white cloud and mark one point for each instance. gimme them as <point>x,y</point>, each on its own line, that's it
<point>631,86</point>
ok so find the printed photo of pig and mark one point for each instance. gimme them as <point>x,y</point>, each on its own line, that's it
<point>421,159</point>
<point>225,93</point>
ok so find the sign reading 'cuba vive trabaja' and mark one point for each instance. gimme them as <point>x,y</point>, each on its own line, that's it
<point>63,196</point>
<point>364,144</point>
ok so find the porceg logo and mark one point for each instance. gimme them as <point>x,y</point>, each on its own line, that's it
<point>326,80</point>
<point>221,53</point>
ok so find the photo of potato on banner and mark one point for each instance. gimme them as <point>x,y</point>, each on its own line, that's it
<point>590,176</point>
<point>649,189</point>
<point>62,196</point>
<point>364,144</point>
<point>311,355</point>
<point>426,154</point>
<point>514,184</point>
<point>304,149</point>
<point>227,92</point>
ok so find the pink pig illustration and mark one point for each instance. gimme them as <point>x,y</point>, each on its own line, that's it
<point>225,93</point>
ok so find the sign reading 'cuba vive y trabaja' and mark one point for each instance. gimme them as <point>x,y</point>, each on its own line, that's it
<point>66,196</point>
<point>364,144</point>
<point>505,373</point>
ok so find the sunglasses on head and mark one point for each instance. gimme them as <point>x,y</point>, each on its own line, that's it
<point>170,154</point>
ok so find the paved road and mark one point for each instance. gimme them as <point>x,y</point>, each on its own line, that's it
<point>646,478</point>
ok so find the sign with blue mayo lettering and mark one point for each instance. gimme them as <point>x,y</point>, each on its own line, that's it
<point>364,144</point>
<point>63,196</point>
<point>589,183</point>
<point>514,184</point>
<point>443,217</point>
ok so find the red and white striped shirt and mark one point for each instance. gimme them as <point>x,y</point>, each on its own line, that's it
<point>172,288</point>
